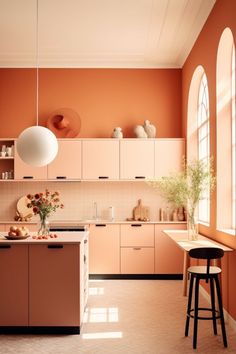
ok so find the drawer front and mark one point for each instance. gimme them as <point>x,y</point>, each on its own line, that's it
<point>137,235</point>
<point>137,260</point>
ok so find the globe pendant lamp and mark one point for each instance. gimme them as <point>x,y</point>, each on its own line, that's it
<point>37,146</point>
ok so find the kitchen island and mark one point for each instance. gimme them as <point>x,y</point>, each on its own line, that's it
<point>43,283</point>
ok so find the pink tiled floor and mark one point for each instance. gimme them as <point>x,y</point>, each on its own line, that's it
<point>128,317</point>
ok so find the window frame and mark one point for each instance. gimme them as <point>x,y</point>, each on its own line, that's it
<point>203,142</point>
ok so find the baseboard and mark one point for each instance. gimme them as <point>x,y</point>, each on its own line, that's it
<point>228,319</point>
<point>39,330</point>
<point>137,276</point>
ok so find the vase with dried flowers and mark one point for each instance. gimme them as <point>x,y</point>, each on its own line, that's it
<point>44,204</point>
<point>186,188</point>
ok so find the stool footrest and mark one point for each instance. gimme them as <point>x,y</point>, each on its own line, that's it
<point>217,314</point>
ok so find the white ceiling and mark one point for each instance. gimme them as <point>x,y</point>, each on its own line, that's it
<point>100,33</point>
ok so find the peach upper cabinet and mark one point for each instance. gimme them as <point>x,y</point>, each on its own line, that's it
<point>168,156</point>
<point>67,164</point>
<point>136,159</point>
<point>25,171</point>
<point>100,159</point>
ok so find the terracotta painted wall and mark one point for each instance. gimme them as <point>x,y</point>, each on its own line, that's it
<point>104,99</point>
<point>204,53</point>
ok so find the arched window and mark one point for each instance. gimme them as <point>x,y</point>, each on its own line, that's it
<point>226,154</point>
<point>198,130</point>
<point>233,142</point>
<point>203,142</point>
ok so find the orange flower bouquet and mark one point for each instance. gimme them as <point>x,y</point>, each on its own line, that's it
<point>44,204</point>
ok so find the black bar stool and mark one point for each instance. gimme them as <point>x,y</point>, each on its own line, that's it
<point>211,273</point>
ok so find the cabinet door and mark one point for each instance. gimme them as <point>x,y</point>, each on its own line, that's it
<point>168,156</point>
<point>67,164</point>
<point>137,260</point>
<point>100,159</point>
<point>14,285</point>
<point>24,171</point>
<point>54,285</point>
<point>137,235</point>
<point>104,249</point>
<point>168,256</point>
<point>136,159</point>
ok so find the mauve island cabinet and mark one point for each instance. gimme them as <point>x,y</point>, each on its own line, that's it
<point>42,286</point>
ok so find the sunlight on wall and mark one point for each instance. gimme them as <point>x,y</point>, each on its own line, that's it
<point>225,162</point>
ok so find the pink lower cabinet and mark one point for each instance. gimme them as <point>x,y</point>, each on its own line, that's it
<point>14,285</point>
<point>137,249</point>
<point>104,249</point>
<point>168,256</point>
<point>54,285</point>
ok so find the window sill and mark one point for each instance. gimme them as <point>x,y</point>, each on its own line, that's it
<point>231,232</point>
<point>204,223</point>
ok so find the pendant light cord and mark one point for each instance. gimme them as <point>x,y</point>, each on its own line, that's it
<point>37,62</point>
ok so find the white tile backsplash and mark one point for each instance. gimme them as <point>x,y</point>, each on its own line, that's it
<point>79,198</point>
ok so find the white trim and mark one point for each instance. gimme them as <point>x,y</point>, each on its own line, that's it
<point>229,320</point>
<point>228,231</point>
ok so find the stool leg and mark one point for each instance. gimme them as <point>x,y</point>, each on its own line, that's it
<point>213,305</point>
<point>189,305</point>
<point>222,321</point>
<point>195,313</point>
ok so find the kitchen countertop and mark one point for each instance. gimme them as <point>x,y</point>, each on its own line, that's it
<point>63,237</point>
<point>90,221</point>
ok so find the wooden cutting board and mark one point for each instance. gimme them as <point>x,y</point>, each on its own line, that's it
<point>141,212</point>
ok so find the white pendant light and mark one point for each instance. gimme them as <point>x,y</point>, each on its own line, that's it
<point>37,145</point>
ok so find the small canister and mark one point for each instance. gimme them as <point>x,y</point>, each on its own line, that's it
<point>111,213</point>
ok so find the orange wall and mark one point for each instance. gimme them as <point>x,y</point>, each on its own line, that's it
<point>104,99</point>
<point>204,53</point>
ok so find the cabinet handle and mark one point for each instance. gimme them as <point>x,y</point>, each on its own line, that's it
<point>28,177</point>
<point>136,248</point>
<point>55,246</point>
<point>100,225</point>
<point>140,177</point>
<point>103,177</point>
<point>86,241</point>
<point>136,225</point>
<point>85,258</point>
<point>5,246</point>
<point>61,177</point>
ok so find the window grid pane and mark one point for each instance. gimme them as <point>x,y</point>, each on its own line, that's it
<point>203,143</point>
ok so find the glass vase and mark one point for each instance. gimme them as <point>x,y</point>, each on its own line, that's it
<point>192,223</point>
<point>44,228</point>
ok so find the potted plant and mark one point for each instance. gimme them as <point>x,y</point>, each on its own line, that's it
<point>186,188</point>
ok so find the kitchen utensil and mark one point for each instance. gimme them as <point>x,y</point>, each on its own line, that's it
<point>141,212</point>
<point>22,208</point>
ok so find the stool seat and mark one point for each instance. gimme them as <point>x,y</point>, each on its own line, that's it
<point>202,270</point>
<point>209,274</point>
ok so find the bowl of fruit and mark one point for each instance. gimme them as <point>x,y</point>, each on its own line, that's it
<point>17,233</point>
